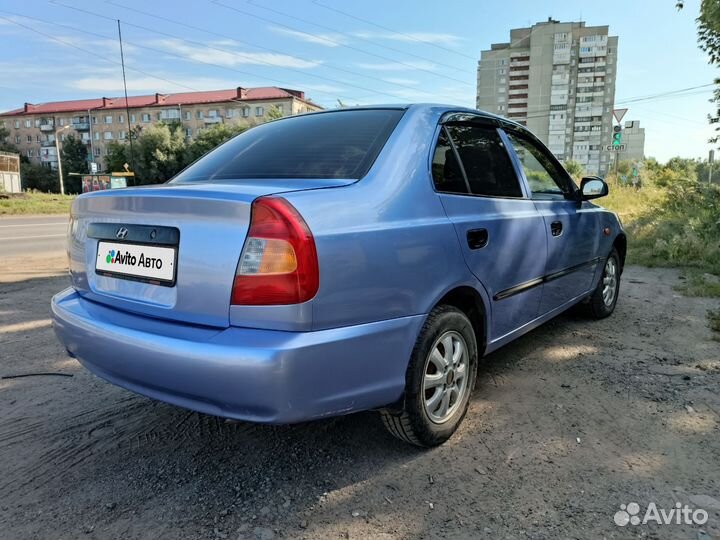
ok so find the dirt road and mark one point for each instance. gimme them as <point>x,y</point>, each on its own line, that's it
<point>565,425</point>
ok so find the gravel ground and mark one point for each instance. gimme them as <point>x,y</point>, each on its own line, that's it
<point>565,425</point>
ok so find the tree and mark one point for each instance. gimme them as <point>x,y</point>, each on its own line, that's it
<point>159,153</point>
<point>74,160</point>
<point>39,178</point>
<point>210,138</point>
<point>274,113</point>
<point>574,169</point>
<point>118,154</point>
<point>709,41</point>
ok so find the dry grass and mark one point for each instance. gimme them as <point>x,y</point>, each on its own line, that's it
<point>33,202</point>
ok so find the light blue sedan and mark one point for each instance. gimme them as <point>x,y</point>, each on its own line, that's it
<point>336,262</point>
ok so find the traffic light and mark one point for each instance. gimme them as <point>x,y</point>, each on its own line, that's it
<point>617,135</point>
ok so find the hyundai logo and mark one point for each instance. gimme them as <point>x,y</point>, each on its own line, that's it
<point>121,233</point>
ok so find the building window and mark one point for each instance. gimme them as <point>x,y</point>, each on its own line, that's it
<point>188,115</point>
<point>17,139</point>
<point>17,124</point>
<point>121,118</point>
<point>108,119</point>
<point>94,119</point>
<point>96,151</point>
<point>146,117</point>
<point>212,114</point>
<point>108,135</point>
<point>27,123</point>
<point>246,112</point>
<point>132,118</point>
<point>122,135</point>
<point>188,132</point>
<point>259,111</point>
<point>30,152</point>
<point>229,113</point>
<point>29,138</point>
<point>37,138</point>
<point>199,115</point>
<point>97,135</point>
<point>37,122</point>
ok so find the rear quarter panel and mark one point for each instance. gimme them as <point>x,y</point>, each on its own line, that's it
<point>386,248</point>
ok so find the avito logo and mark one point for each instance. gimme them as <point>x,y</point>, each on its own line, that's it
<point>115,257</point>
<point>127,258</point>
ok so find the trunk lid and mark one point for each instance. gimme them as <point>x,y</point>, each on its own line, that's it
<point>205,222</point>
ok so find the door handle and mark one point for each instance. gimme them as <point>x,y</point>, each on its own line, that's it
<point>556,228</point>
<point>477,238</point>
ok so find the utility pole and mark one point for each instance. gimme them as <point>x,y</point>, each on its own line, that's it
<point>59,162</point>
<point>127,104</point>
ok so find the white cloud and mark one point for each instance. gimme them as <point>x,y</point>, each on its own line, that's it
<point>214,55</point>
<point>327,88</point>
<point>326,40</point>
<point>397,66</point>
<point>400,80</point>
<point>114,86</point>
<point>413,37</point>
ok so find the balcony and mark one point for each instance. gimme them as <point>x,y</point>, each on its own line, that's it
<point>80,126</point>
<point>213,119</point>
<point>47,127</point>
<point>46,144</point>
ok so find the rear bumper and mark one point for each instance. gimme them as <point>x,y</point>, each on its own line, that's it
<point>247,374</point>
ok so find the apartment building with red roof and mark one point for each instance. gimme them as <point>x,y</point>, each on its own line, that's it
<point>98,121</point>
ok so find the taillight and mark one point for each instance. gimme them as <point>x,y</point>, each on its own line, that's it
<point>279,262</point>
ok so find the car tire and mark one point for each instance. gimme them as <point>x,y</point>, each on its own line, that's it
<point>603,300</point>
<point>444,360</point>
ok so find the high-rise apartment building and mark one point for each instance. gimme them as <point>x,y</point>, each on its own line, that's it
<point>558,79</point>
<point>97,122</point>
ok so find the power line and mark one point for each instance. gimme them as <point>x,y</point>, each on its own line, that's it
<point>69,44</point>
<point>336,43</point>
<point>261,47</point>
<point>226,51</point>
<point>407,36</point>
<point>161,51</point>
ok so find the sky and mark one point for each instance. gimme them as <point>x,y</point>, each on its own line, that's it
<point>375,51</point>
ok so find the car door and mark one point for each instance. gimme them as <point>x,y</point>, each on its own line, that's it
<point>571,228</point>
<point>500,230</point>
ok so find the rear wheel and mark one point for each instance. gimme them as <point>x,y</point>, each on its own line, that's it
<point>605,296</point>
<point>439,381</point>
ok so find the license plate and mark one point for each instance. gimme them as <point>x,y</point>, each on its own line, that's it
<point>137,261</point>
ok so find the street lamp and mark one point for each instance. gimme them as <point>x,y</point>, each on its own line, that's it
<point>57,151</point>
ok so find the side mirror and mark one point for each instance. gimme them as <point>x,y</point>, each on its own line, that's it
<point>593,187</point>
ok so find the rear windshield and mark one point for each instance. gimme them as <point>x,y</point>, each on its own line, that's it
<point>342,144</point>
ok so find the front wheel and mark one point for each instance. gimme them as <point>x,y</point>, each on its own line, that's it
<point>605,296</point>
<point>439,381</point>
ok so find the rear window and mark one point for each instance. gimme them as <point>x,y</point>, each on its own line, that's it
<point>342,144</point>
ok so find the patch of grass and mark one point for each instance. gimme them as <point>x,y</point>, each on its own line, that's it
<point>698,283</point>
<point>713,317</point>
<point>33,202</point>
<point>671,226</point>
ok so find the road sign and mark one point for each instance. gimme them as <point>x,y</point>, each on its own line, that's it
<point>619,114</point>
<point>711,156</point>
<point>615,147</point>
<point>93,167</point>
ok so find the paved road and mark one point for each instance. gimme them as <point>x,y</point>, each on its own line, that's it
<point>32,235</point>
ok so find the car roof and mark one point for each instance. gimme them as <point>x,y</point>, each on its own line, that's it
<point>437,107</point>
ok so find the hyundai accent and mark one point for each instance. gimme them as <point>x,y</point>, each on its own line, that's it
<point>334,262</point>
